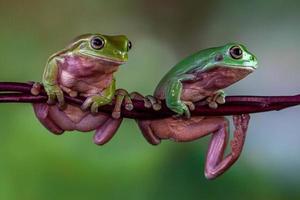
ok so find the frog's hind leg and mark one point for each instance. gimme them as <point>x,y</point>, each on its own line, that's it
<point>107,130</point>
<point>147,131</point>
<point>41,111</point>
<point>216,164</point>
<point>182,130</point>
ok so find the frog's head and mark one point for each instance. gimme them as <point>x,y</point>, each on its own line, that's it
<point>228,64</point>
<point>112,49</point>
<point>233,55</point>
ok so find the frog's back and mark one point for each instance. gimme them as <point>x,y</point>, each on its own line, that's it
<point>187,65</point>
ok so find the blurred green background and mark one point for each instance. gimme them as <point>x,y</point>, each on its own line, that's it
<point>38,165</point>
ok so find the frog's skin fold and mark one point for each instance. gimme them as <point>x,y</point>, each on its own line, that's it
<point>86,67</point>
<point>200,76</point>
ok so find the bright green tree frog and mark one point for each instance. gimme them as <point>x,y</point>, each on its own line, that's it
<point>86,67</point>
<point>201,76</point>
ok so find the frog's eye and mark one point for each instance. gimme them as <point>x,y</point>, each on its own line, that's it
<point>236,52</point>
<point>97,43</point>
<point>129,45</point>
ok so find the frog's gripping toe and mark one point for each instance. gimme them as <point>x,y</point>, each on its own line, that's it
<point>149,100</point>
<point>36,89</point>
<point>216,99</point>
<point>121,96</point>
<point>54,93</point>
<point>93,103</point>
<point>153,102</point>
<point>182,110</point>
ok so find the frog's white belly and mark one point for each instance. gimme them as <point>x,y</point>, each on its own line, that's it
<point>84,86</point>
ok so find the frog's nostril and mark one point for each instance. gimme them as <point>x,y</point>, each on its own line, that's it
<point>253,58</point>
<point>119,53</point>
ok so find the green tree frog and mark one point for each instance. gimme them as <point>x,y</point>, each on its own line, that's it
<point>202,76</point>
<point>86,67</point>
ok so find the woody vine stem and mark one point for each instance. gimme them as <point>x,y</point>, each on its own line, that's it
<point>14,92</point>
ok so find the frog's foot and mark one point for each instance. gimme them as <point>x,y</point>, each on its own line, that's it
<point>94,102</point>
<point>241,125</point>
<point>190,105</point>
<point>149,100</point>
<point>147,131</point>
<point>182,109</point>
<point>106,131</point>
<point>54,93</point>
<point>154,102</point>
<point>215,99</point>
<point>216,162</point>
<point>36,88</point>
<point>70,92</point>
<point>121,96</point>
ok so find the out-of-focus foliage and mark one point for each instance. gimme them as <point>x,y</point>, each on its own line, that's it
<point>38,165</point>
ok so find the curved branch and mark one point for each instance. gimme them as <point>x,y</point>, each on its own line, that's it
<point>20,93</point>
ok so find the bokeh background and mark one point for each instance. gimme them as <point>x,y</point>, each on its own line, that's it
<point>35,164</point>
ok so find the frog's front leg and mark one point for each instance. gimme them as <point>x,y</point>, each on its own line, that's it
<point>121,96</point>
<point>51,85</point>
<point>110,125</point>
<point>95,101</point>
<point>173,96</point>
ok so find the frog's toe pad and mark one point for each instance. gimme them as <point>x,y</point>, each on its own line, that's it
<point>213,105</point>
<point>36,89</point>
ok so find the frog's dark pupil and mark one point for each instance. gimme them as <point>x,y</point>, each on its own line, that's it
<point>97,43</point>
<point>236,52</point>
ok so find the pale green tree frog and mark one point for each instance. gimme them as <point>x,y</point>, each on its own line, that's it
<point>86,67</point>
<point>202,76</point>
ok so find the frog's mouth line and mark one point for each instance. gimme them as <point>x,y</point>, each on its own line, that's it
<point>237,71</point>
<point>106,60</point>
<point>119,62</point>
<point>250,68</point>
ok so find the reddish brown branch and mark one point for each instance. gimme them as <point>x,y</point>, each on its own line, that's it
<point>20,92</point>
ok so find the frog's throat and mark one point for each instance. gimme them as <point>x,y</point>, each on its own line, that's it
<point>220,77</point>
<point>105,59</point>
